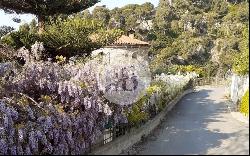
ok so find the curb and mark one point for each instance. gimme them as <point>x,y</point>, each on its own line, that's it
<point>236,115</point>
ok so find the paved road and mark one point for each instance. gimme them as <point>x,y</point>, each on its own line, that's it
<point>199,124</point>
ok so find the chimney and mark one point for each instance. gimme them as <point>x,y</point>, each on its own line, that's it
<point>131,35</point>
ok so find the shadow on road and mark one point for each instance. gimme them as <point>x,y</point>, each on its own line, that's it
<point>198,124</point>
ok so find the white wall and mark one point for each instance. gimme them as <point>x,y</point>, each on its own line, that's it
<point>239,85</point>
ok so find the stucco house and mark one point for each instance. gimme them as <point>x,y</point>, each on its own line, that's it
<point>132,45</point>
<point>123,69</point>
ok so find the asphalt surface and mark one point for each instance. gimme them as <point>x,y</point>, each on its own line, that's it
<point>200,123</point>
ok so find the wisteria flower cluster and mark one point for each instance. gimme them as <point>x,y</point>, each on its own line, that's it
<point>175,83</point>
<point>47,131</point>
<point>5,67</point>
<point>36,53</point>
<point>53,109</point>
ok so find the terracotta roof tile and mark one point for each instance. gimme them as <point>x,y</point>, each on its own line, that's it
<point>129,41</point>
<point>123,40</point>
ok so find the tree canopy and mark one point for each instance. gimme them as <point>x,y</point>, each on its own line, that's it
<point>43,8</point>
<point>200,32</point>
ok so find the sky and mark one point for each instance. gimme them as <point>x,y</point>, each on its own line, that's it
<point>6,19</point>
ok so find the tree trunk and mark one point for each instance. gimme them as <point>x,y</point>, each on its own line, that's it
<point>41,24</point>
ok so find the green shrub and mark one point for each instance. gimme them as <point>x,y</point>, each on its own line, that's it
<point>210,69</point>
<point>142,110</point>
<point>25,36</point>
<point>161,88</point>
<point>76,36</point>
<point>174,69</point>
<point>241,62</point>
<point>69,37</point>
<point>139,112</point>
<point>137,115</point>
<point>13,40</point>
<point>20,39</point>
<point>244,105</point>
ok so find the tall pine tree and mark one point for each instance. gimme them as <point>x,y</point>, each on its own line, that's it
<point>42,8</point>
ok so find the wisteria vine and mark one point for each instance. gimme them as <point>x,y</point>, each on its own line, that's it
<point>52,108</point>
<point>66,115</point>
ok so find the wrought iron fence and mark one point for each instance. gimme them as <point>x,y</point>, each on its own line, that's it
<point>110,134</point>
